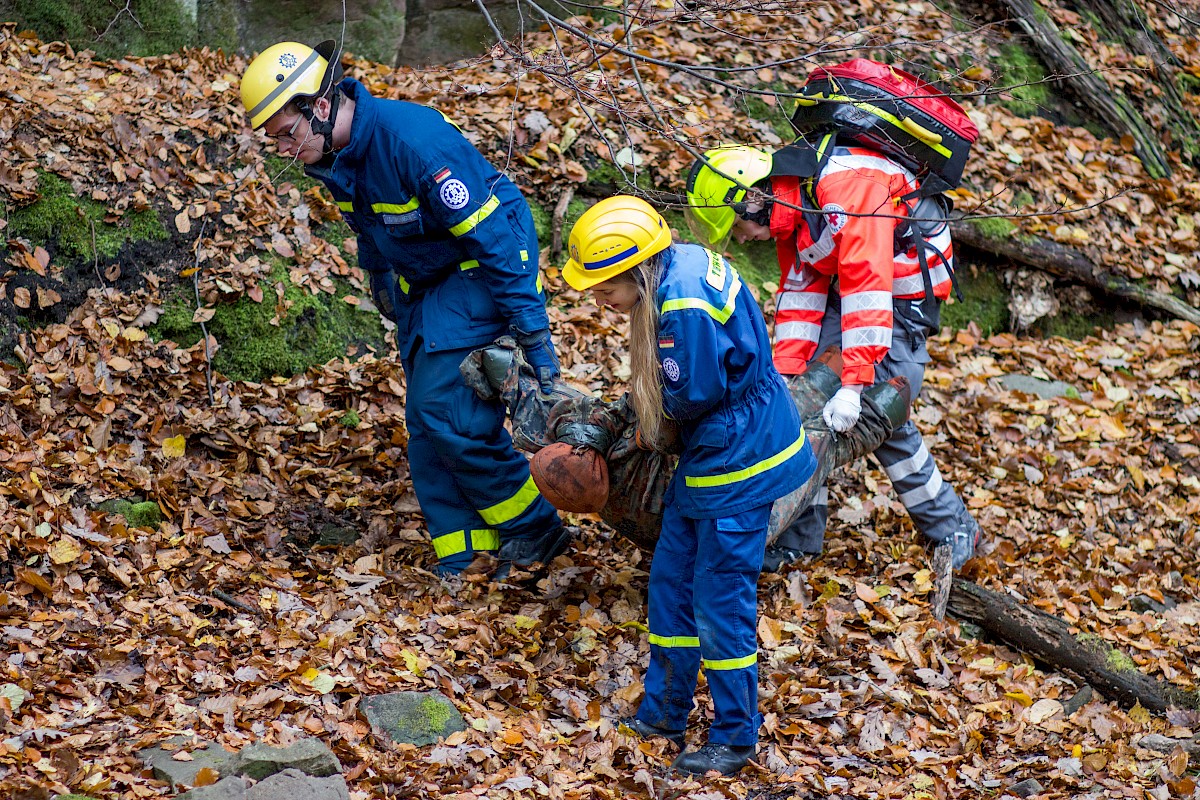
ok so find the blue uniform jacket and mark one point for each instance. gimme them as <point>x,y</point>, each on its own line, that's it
<point>427,206</point>
<point>744,446</point>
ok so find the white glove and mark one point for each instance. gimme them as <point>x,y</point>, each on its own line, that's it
<point>842,410</point>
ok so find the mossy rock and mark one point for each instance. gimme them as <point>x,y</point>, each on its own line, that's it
<point>138,514</point>
<point>64,222</point>
<point>1021,70</point>
<point>417,718</point>
<point>315,330</point>
<point>148,27</point>
<point>985,300</point>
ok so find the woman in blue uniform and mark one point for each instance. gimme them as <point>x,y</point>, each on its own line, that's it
<point>701,357</point>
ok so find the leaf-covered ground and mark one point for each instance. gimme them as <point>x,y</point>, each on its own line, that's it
<point>230,619</point>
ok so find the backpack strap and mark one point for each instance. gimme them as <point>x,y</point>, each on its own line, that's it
<point>914,233</point>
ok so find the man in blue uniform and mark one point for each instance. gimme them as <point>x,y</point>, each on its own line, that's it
<point>450,248</point>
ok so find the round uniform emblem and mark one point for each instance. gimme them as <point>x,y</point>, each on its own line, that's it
<point>287,60</point>
<point>671,369</point>
<point>835,215</point>
<point>454,194</point>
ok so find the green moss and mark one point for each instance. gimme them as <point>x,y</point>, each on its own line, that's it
<point>61,218</point>
<point>138,515</point>
<point>543,220</point>
<point>314,330</point>
<point>1022,71</point>
<point>73,797</point>
<point>350,419</point>
<point>994,227</point>
<point>1114,659</point>
<point>288,170</point>
<point>607,172</point>
<point>777,115</point>
<point>148,27</point>
<point>1074,326</point>
<point>985,302</point>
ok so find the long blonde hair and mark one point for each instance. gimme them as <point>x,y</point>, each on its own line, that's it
<point>645,379</point>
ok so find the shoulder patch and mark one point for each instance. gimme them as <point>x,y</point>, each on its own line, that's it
<point>441,175</point>
<point>716,271</point>
<point>454,194</point>
<point>835,216</point>
<point>671,369</point>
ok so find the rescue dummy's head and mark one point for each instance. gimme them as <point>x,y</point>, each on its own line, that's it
<point>718,193</point>
<point>290,84</point>
<point>572,479</point>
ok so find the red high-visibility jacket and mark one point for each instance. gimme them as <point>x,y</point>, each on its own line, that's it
<point>859,192</point>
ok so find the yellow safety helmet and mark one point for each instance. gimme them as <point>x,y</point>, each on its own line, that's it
<point>716,191</point>
<point>284,72</point>
<point>615,235</point>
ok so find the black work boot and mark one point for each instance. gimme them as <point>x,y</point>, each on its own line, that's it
<point>632,726</point>
<point>963,544</point>
<point>776,558</point>
<point>726,759</point>
<point>527,552</point>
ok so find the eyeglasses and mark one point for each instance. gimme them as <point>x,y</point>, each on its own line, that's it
<point>291,132</point>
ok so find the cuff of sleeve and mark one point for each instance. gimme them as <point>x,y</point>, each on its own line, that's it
<point>528,323</point>
<point>863,375</point>
<point>790,366</point>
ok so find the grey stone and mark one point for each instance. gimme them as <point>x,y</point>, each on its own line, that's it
<point>292,784</point>
<point>183,773</point>
<point>1142,603</point>
<point>418,718</point>
<point>1036,386</point>
<point>230,788</point>
<point>309,756</point>
<point>1078,701</point>
<point>1026,788</point>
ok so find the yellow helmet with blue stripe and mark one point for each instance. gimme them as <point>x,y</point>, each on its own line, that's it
<point>613,236</point>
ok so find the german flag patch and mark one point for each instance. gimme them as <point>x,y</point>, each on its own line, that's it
<point>441,175</point>
<point>666,341</point>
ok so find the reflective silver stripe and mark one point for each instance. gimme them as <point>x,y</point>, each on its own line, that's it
<point>915,284</point>
<point>909,466</point>
<point>803,301</point>
<point>866,337</point>
<point>804,331</point>
<point>866,301</point>
<point>822,496</point>
<point>283,87</point>
<point>923,494</point>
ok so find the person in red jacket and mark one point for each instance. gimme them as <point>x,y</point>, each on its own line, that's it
<point>843,281</point>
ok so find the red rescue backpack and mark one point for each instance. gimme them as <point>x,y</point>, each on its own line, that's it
<point>880,107</point>
<point>892,111</point>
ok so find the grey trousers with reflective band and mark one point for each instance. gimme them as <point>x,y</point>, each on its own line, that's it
<point>935,508</point>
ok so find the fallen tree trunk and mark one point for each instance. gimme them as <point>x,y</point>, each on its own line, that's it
<point>1106,103</point>
<point>1051,640</point>
<point>1069,263</point>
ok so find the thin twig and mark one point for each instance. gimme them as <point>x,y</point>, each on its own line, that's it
<point>560,212</point>
<point>203,326</point>
<point>95,252</point>
<point>229,600</point>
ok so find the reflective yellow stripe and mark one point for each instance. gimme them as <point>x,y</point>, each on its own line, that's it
<point>451,544</point>
<point>750,471</point>
<point>468,224</point>
<point>892,118</point>
<point>524,255</point>
<point>452,122</point>
<point>403,284</point>
<point>513,507</point>
<point>674,641</point>
<point>721,315</point>
<point>394,208</point>
<point>730,663</point>
<point>538,285</point>
<point>345,205</point>
<point>466,265</point>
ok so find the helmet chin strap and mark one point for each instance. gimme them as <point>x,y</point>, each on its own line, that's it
<point>323,127</point>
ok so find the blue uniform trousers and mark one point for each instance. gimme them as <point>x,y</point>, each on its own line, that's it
<point>703,611</point>
<point>935,508</point>
<point>474,488</point>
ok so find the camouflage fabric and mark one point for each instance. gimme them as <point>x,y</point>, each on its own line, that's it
<point>638,477</point>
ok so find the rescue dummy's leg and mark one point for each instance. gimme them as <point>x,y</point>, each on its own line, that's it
<point>474,488</point>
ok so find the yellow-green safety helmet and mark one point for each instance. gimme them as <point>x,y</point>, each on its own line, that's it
<point>284,72</point>
<point>716,189</point>
<point>613,236</point>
